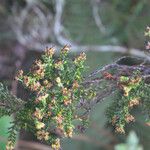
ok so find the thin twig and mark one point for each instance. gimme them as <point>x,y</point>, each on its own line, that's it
<point>97,17</point>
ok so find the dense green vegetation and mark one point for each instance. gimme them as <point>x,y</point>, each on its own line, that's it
<point>124,23</point>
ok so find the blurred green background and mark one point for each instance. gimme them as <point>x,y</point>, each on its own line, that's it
<point>124,23</point>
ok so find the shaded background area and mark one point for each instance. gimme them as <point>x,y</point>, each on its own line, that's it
<point>28,26</point>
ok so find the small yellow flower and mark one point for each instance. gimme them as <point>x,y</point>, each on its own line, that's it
<point>134,102</point>
<point>19,75</point>
<point>38,69</point>
<point>59,65</point>
<point>129,118</point>
<point>41,98</point>
<point>10,145</point>
<point>39,125</point>
<point>119,130</point>
<point>147,32</point>
<point>65,91</point>
<point>65,49</point>
<point>53,102</point>
<point>58,80</point>
<point>80,58</point>
<point>47,84</point>
<point>75,85</point>
<point>126,90</point>
<point>114,119</point>
<point>49,114</point>
<point>35,86</point>
<point>135,80</point>
<point>38,114</point>
<point>50,51</point>
<point>56,144</point>
<point>67,102</point>
<point>42,135</point>
<point>69,132</point>
<point>59,119</point>
<point>26,81</point>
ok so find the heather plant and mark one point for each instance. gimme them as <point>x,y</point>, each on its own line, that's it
<point>61,98</point>
<point>55,85</point>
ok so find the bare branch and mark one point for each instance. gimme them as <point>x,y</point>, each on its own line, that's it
<point>58,27</point>
<point>31,24</point>
<point>38,34</point>
<point>97,17</point>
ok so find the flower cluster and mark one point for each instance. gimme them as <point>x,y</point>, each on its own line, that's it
<point>55,84</point>
<point>134,102</point>
<point>60,98</point>
<point>119,112</point>
<point>147,34</point>
<point>127,84</point>
<point>42,135</point>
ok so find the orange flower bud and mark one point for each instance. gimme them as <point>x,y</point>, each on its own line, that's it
<point>129,118</point>
<point>50,51</point>
<point>119,130</point>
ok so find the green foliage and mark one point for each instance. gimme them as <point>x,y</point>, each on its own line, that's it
<point>60,99</point>
<point>4,125</point>
<point>133,92</point>
<point>55,87</point>
<point>13,131</point>
<point>8,102</point>
<point>144,92</point>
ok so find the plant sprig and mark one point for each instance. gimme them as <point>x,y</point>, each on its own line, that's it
<point>61,99</point>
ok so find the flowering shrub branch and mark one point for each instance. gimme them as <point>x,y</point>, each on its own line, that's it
<point>61,97</point>
<point>55,87</point>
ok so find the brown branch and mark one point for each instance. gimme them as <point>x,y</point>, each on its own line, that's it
<point>31,145</point>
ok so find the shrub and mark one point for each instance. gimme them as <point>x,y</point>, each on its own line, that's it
<point>60,97</point>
